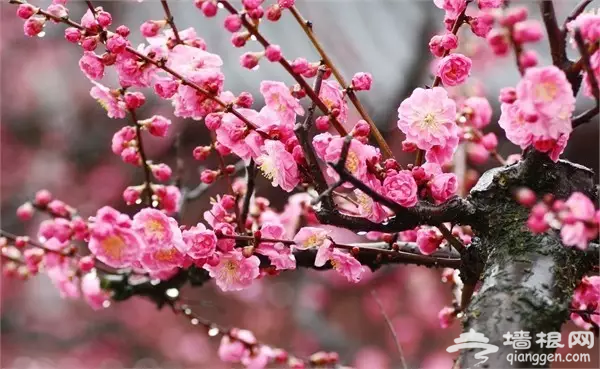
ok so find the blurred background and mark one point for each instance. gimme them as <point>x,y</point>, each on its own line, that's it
<point>54,135</point>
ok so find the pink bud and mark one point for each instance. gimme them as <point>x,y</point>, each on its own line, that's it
<point>43,197</point>
<point>514,15</point>
<point>256,13</point>
<point>249,60</point>
<point>527,31</point>
<point>86,264</point>
<point>273,53</point>
<point>116,44</point>
<point>508,95</point>
<point>244,100</point>
<point>131,195</point>
<point>313,69</point>
<point>286,4</point>
<point>490,141</point>
<point>239,39</point>
<point>209,8</point>
<point>72,34</point>
<point>151,28</point>
<point>89,43</point>
<point>228,202</point>
<point>25,211</point>
<point>251,4</point>
<point>58,11</point>
<point>233,23</point>
<point>201,152</point>
<point>409,146</point>
<point>26,11</point>
<point>362,128</point>
<point>526,197</point>
<point>362,81</point>
<point>34,25</point>
<point>298,155</point>
<point>322,123</point>
<point>213,121</point>
<point>528,59</point>
<point>435,46</point>
<point>58,207</point>
<point>134,100</point>
<point>300,65</point>
<point>104,18</point>
<point>123,30</point>
<point>482,24</point>
<point>157,125</point>
<point>130,155</point>
<point>162,172</point>
<point>274,13</point>
<point>208,176</point>
<point>449,41</point>
<point>496,37</point>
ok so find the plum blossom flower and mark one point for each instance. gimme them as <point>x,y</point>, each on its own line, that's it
<point>312,237</point>
<point>109,100</point>
<point>428,240</point>
<point>454,69</point>
<point>401,188</point>
<point>480,111</point>
<point>201,242</point>
<point>427,118</point>
<point>332,96</point>
<point>541,114</point>
<point>280,255</point>
<point>279,166</point>
<point>158,230</point>
<point>574,235</point>
<point>92,292</point>
<point>189,103</point>
<point>346,265</point>
<point>280,100</point>
<point>63,276</point>
<point>367,207</point>
<point>452,7</point>
<point>234,134</point>
<point>356,161</point>
<point>234,271</point>
<point>586,297</point>
<point>91,65</point>
<point>443,186</point>
<point>112,240</point>
<point>186,60</point>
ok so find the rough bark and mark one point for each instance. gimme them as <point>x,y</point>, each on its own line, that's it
<point>528,279</point>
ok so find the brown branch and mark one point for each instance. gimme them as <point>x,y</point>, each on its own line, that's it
<point>171,21</point>
<point>579,8</point>
<point>391,329</point>
<point>250,183</point>
<point>147,192</point>
<point>585,57</point>
<point>308,30</point>
<point>555,36</point>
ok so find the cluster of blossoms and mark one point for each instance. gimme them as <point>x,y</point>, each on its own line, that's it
<point>588,25</point>
<point>537,113</point>
<point>586,302</point>
<point>577,218</point>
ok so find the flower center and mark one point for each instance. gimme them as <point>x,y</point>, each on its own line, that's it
<point>352,162</point>
<point>113,246</point>
<point>155,228</point>
<point>165,255</point>
<point>268,168</point>
<point>429,121</point>
<point>546,91</point>
<point>365,202</point>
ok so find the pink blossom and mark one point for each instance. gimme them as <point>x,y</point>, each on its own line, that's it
<point>161,172</point>
<point>362,81</point>
<point>93,293</point>
<point>65,279</point>
<point>428,240</point>
<point>311,237</point>
<point>273,53</point>
<point>236,136</point>
<point>546,91</point>
<point>489,4</point>
<point>259,359</point>
<point>346,265</point>
<point>169,198</point>
<point>25,211</point>
<point>165,87</point>
<point>446,316</point>
<point>527,31</point>
<point>356,160</point>
<point>133,73</point>
<point>443,186</point>
<point>58,10</point>
<point>332,96</point>
<point>581,207</point>
<point>225,244</point>
<point>58,228</point>
<point>234,271</point>
<point>162,259</point>
<point>122,139</point>
<point>279,254</point>
<point>157,125</point>
<point>232,350</point>
<point>595,64</point>
<point>588,24</point>
<point>367,207</point>
<point>574,235</point>
<point>112,240</point>
<point>427,118</point>
<point>401,188</point>
<point>480,113</point>
<point>454,69</point>
<point>279,99</point>
<point>482,24</point>
<point>279,166</point>
<point>452,7</point>
<point>25,11</point>
<point>91,65</point>
<point>158,230</point>
<point>34,25</point>
<point>110,101</point>
<point>201,242</point>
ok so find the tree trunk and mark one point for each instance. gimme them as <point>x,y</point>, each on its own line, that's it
<point>528,279</point>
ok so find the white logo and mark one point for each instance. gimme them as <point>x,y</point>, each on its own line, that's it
<point>472,339</point>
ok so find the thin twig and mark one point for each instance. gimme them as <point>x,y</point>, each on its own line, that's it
<point>585,57</point>
<point>308,30</point>
<point>171,21</point>
<point>391,328</point>
<point>147,191</point>
<point>250,174</point>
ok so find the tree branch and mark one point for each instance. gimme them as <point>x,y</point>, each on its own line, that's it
<point>585,57</point>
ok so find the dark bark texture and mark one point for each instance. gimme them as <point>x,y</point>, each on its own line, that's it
<point>527,279</point>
